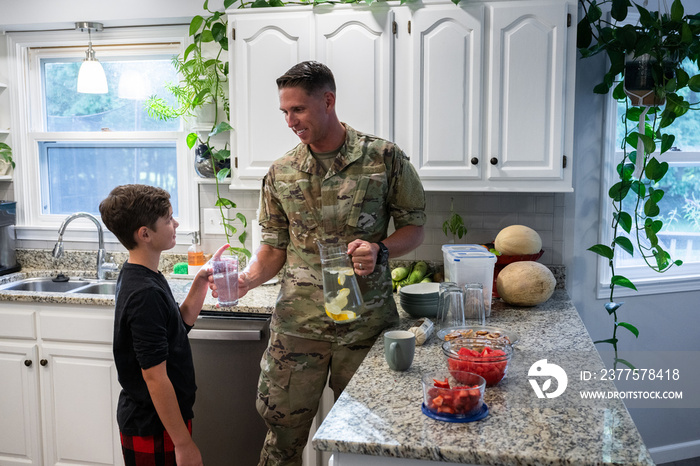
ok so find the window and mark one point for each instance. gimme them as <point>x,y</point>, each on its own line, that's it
<point>680,235</point>
<point>79,146</point>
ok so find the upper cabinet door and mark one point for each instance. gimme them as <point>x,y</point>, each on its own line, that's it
<point>526,91</point>
<point>357,45</point>
<point>265,46</point>
<point>445,68</point>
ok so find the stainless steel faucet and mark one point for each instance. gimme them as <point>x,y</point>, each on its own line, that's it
<point>102,266</point>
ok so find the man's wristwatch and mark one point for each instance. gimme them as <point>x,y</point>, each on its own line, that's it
<point>382,254</point>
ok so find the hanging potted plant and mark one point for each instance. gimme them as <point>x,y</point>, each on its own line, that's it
<point>6,162</point>
<point>202,92</point>
<point>646,71</point>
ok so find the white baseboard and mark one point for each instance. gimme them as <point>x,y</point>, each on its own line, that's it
<point>675,452</point>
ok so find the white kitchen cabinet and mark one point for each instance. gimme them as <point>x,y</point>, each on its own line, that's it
<point>491,95</point>
<point>479,95</point>
<point>440,64</point>
<point>355,42</point>
<point>57,368</point>
<point>528,92</point>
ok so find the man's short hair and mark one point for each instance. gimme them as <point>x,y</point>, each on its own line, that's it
<point>132,206</point>
<point>311,76</point>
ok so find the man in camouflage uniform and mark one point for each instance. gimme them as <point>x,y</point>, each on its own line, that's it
<point>337,186</point>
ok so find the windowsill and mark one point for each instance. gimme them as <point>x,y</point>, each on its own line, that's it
<point>660,285</point>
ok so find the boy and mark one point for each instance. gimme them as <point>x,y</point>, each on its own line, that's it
<point>151,349</point>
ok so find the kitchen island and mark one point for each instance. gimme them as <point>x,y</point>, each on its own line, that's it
<point>378,418</point>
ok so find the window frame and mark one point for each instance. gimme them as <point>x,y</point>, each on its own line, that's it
<point>647,281</point>
<point>25,51</point>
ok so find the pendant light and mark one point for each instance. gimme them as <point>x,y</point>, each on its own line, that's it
<point>91,77</point>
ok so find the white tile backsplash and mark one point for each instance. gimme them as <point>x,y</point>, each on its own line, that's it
<point>484,214</point>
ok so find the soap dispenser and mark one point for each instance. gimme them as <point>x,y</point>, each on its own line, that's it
<point>195,255</point>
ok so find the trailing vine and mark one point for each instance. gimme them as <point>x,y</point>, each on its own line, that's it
<point>666,40</point>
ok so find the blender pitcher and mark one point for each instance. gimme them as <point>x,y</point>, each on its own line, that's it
<point>341,294</point>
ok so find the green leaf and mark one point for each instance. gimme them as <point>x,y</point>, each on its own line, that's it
<point>230,229</point>
<point>206,36</point>
<point>629,327</point>
<point>619,280</point>
<point>195,24</point>
<point>218,31</point>
<point>223,202</point>
<point>191,140</point>
<point>654,170</point>
<point>619,9</point>
<point>222,174</point>
<point>619,190</point>
<point>601,88</point>
<point>625,221</point>
<point>221,128</point>
<point>694,83</point>
<point>677,10</point>
<point>242,219</point>
<point>625,244</point>
<point>222,154</point>
<point>190,48</point>
<point>619,92</point>
<point>651,209</point>
<point>667,141</point>
<point>612,341</point>
<point>639,188</point>
<point>602,250</point>
<point>649,144</point>
<point>584,36</point>
<point>663,258</point>
<point>656,194</point>
<point>243,251</point>
<point>228,3</point>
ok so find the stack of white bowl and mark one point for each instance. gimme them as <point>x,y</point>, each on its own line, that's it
<point>420,299</point>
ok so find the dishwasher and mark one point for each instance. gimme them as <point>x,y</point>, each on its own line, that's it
<point>226,349</point>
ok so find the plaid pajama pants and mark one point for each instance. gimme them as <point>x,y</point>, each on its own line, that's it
<point>150,450</point>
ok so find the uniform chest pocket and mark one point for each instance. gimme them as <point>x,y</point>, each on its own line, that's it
<point>299,202</point>
<point>369,201</point>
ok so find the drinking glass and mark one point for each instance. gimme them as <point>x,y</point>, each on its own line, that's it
<point>474,310</point>
<point>225,274</point>
<point>450,308</point>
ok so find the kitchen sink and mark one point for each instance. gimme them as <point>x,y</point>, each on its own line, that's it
<point>101,287</point>
<point>72,286</point>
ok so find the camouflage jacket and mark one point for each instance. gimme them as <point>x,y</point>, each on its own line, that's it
<point>370,182</point>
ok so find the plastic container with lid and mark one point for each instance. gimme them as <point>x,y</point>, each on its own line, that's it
<point>470,263</point>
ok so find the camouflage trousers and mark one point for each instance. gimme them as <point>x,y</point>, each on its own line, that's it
<point>293,376</point>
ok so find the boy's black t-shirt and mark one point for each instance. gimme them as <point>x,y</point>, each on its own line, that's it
<point>148,329</point>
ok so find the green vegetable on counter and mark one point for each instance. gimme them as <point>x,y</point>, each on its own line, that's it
<point>418,272</point>
<point>399,273</point>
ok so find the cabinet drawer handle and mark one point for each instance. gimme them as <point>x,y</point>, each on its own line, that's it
<point>475,161</point>
<point>43,362</point>
<point>28,362</point>
<point>494,161</point>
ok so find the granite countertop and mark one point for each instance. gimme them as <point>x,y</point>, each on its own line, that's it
<point>379,413</point>
<point>261,300</point>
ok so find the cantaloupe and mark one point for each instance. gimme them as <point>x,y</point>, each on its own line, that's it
<point>517,240</point>
<point>525,283</point>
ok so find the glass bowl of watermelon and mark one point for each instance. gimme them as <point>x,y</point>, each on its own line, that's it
<point>453,395</point>
<point>488,358</point>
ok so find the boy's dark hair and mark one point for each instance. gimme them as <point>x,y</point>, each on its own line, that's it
<point>132,206</point>
<point>311,76</point>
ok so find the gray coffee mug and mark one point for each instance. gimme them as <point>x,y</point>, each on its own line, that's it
<point>399,347</point>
